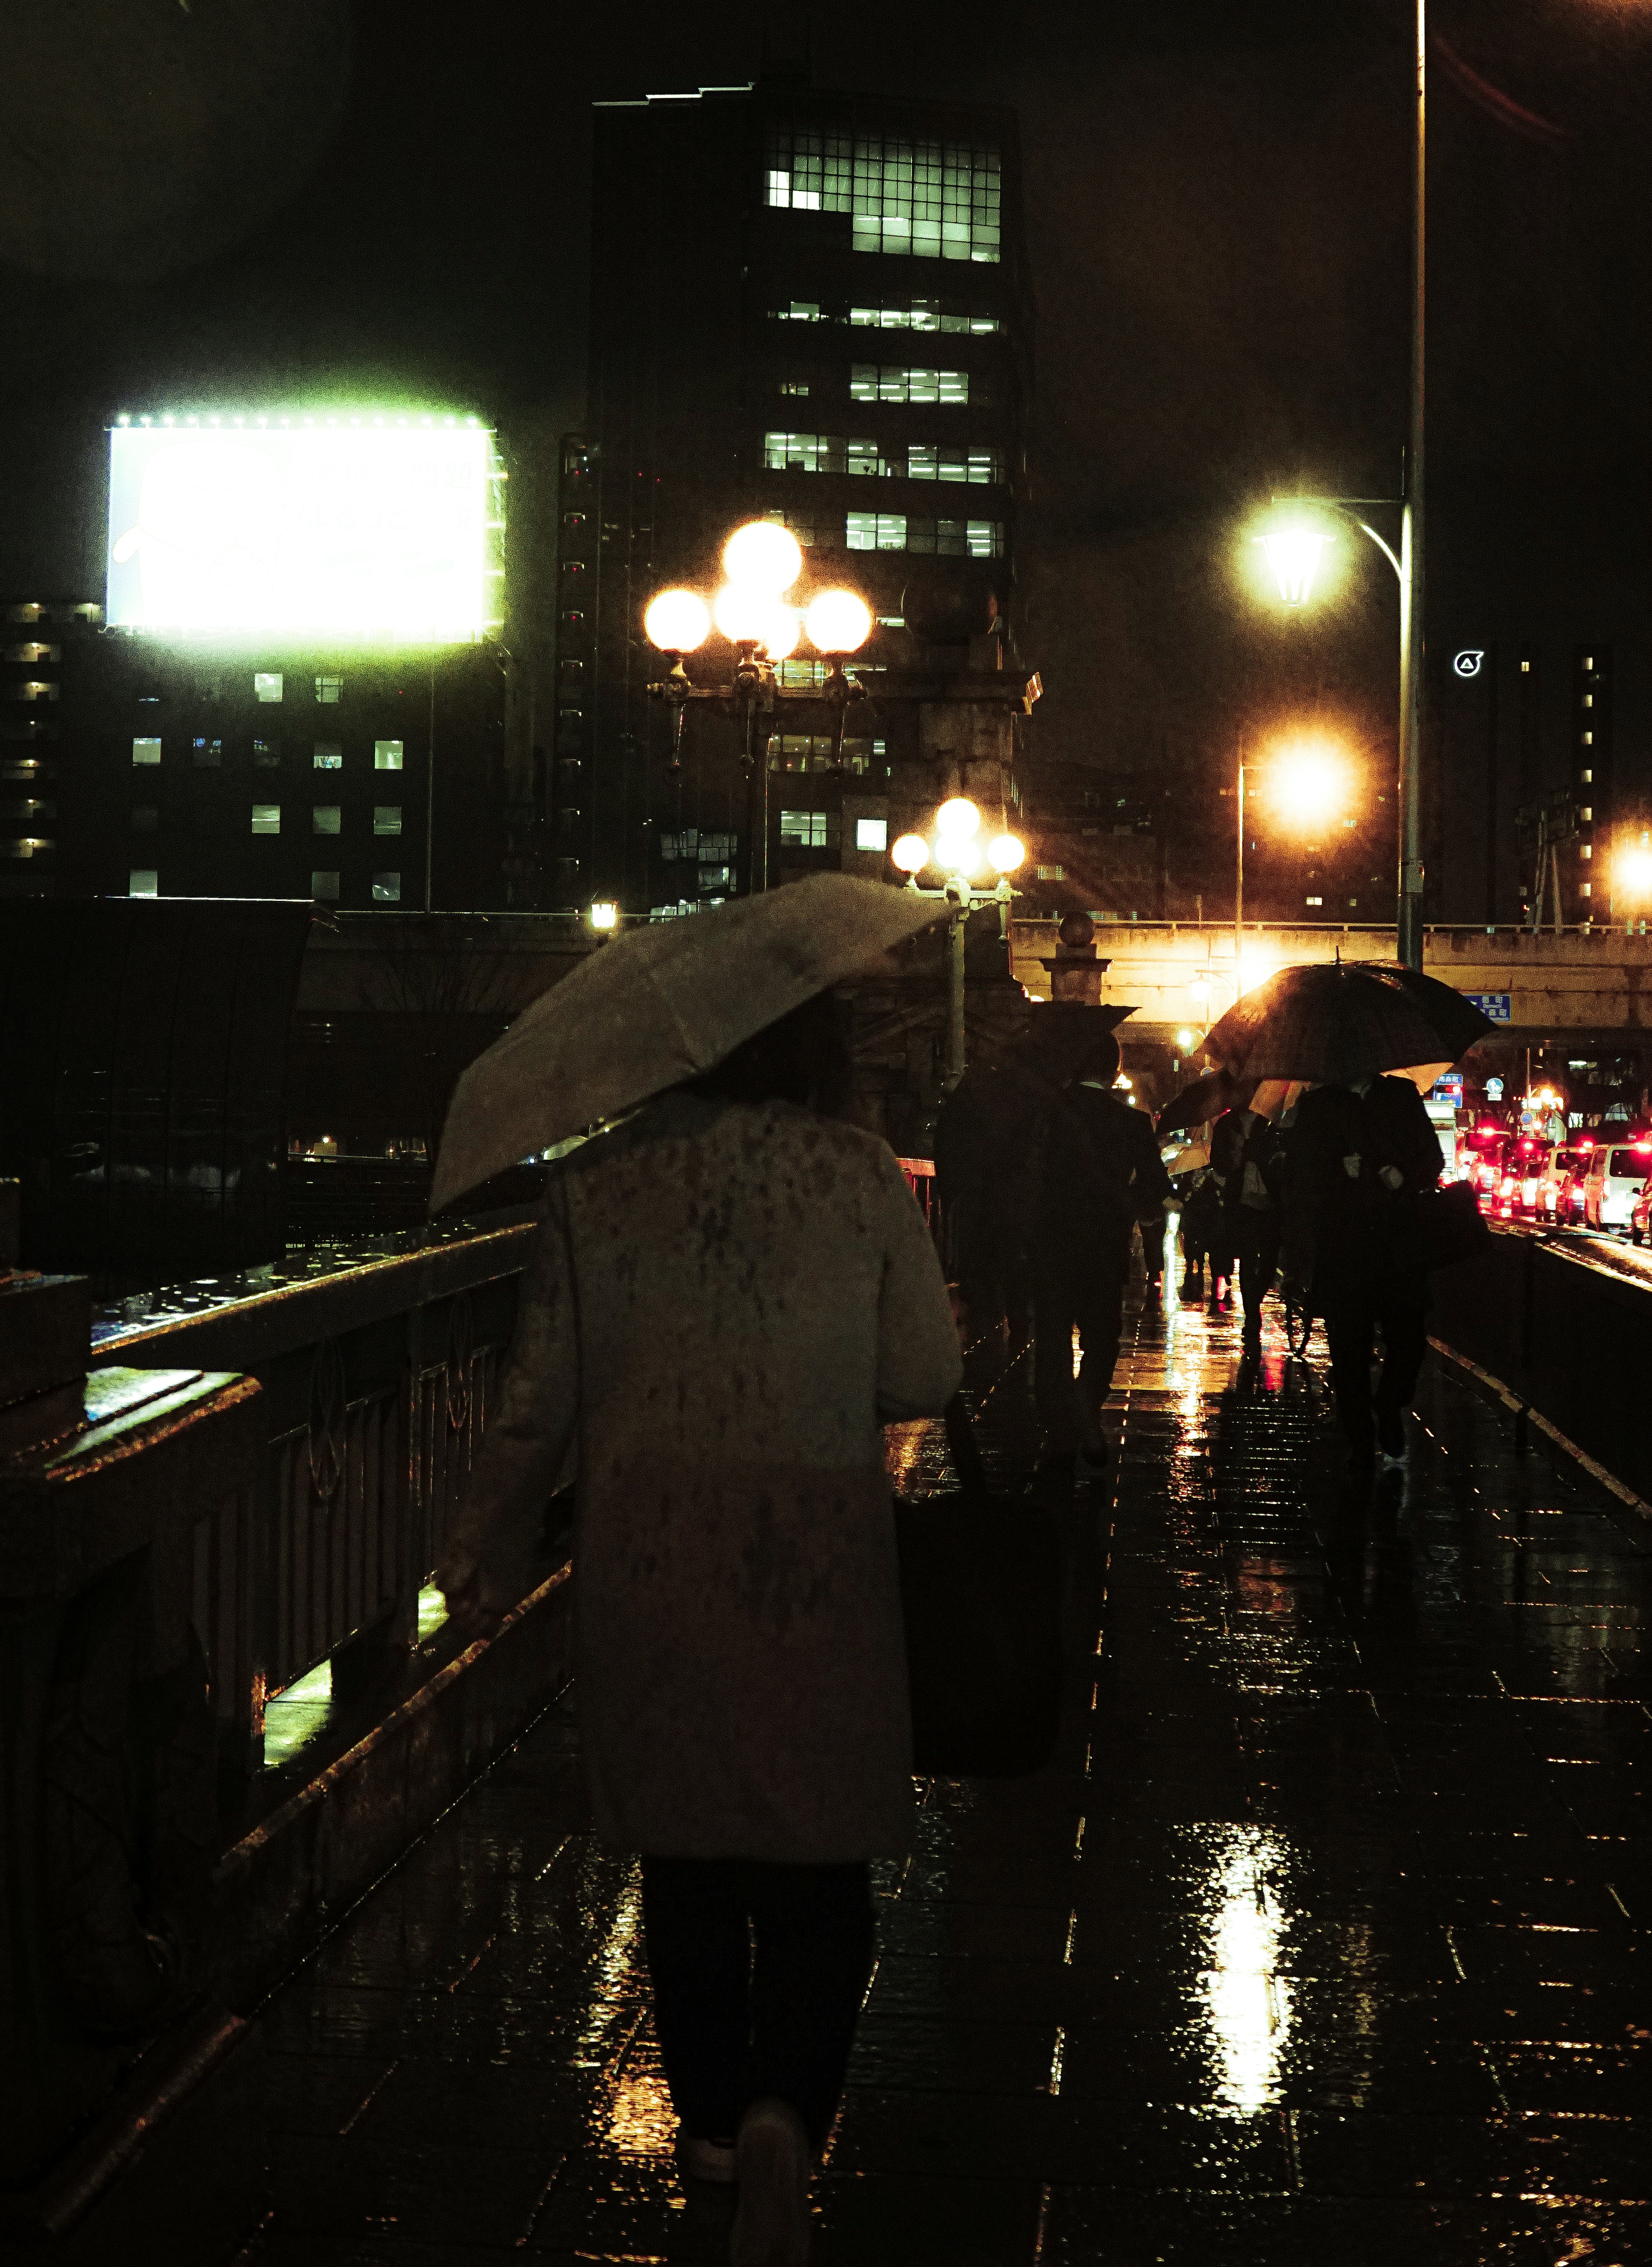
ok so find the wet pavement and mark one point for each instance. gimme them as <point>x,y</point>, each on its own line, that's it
<point>1324,1938</point>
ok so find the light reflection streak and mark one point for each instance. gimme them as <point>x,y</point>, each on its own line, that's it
<point>1249,2002</point>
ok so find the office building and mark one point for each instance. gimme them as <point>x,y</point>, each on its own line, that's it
<point>809,307</point>
<point>44,646</point>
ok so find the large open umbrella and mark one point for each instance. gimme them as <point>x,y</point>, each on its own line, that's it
<point>1205,1099</point>
<point>1327,1021</point>
<point>657,1005</point>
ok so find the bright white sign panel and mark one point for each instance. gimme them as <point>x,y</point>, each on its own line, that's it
<point>386,532</point>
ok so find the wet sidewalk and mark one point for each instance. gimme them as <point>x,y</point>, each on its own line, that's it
<point>1324,1938</point>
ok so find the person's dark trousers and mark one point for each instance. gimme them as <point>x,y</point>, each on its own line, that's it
<point>1353,1314</point>
<point>1070,1408</point>
<point>1256,1236</point>
<point>758,1972</point>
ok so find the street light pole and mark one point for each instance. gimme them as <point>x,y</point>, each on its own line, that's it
<point>1238,888</point>
<point>1411,545</point>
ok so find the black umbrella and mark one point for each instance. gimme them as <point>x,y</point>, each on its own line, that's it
<point>1324,1021</point>
<point>1205,1099</point>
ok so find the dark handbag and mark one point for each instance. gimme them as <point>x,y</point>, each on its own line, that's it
<point>981,1586</point>
<point>1438,1227</point>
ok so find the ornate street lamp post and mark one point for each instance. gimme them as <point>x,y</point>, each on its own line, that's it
<point>957,852</point>
<point>761,562</point>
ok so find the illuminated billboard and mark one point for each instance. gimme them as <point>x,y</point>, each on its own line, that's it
<point>378,528</point>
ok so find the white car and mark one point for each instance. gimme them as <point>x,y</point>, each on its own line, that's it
<point>1616,1170</point>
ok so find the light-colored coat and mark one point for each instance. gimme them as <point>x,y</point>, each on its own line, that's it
<point>725,1304</point>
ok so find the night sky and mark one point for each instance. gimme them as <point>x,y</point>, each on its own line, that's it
<point>394,199</point>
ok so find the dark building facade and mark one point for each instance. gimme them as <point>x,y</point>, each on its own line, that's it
<point>44,646</point>
<point>812,307</point>
<point>131,765</point>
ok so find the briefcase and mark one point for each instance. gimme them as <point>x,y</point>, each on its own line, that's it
<point>980,1583</point>
<point>1438,1227</point>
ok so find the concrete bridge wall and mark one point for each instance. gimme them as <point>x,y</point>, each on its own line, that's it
<point>1591,983</point>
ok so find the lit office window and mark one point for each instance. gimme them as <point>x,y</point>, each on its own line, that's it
<point>800,752</point>
<point>266,685</point>
<point>145,818</point>
<point>871,834</point>
<point>946,539</point>
<point>803,452</point>
<point>325,887</point>
<point>386,818</point>
<point>931,199</point>
<point>386,755</point>
<point>800,311</point>
<point>871,381</point>
<point>793,385</point>
<point>876,531</point>
<point>143,882</point>
<point>266,819</point>
<point>146,752</point>
<point>329,688</point>
<point>864,458</point>
<point>925,315</point>
<point>386,889</point>
<point>329,756</point>
<point>266,752</point>
<point>324,819</point>
<point>208,753</point>
<point>977,467</point>
<point>809,830</point>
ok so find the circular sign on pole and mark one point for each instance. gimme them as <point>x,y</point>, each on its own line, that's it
<point>1467,664</point>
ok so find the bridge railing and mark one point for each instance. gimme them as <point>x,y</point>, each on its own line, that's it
<point>378,1366</point>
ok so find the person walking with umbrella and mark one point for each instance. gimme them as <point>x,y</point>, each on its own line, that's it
<point>1362,1147</point>
<point>1247,1160</point>
<point>730,1294</point>
<point>1362,1152</point>
<point>1099,1173</point>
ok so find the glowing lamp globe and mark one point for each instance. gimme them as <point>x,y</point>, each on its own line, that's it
<point>838,622</point>
<point>678,621</point>
<point>782,633</point>
<point>1292,552</point>
<point>958,854</point>
<point>605,913</point>
<point>911,853</point>
<point>1004,853</point>
<point>960,817</point>
<point>762,556</point>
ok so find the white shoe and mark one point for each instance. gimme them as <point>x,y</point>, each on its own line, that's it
<point>705,2161</point>
<point>771,2227</point>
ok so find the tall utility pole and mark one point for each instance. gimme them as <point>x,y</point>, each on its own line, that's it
<point>1238,888</point>
<point>1411,549</point>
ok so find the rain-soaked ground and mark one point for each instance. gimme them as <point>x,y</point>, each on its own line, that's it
<point>1323,1939</point>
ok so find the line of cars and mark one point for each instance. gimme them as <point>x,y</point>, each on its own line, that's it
<point>1584,1183</point>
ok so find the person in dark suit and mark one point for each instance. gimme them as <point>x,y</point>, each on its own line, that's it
<point>1247,1158</point>
<point>1358,1152</point>
<point>1099,1173</point>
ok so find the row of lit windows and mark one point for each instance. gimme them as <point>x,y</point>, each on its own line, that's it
<point>871,381</point>
<point>912,315</point>
<point>927,200</point>
<point>326,818</point>
<point>893,530</point>
<point>144,881</point>
<point>267,685</point>
<point>920,461</point>
<point>207,751</point>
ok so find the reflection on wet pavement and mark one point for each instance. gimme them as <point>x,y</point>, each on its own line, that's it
<point>1322,1939</point>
